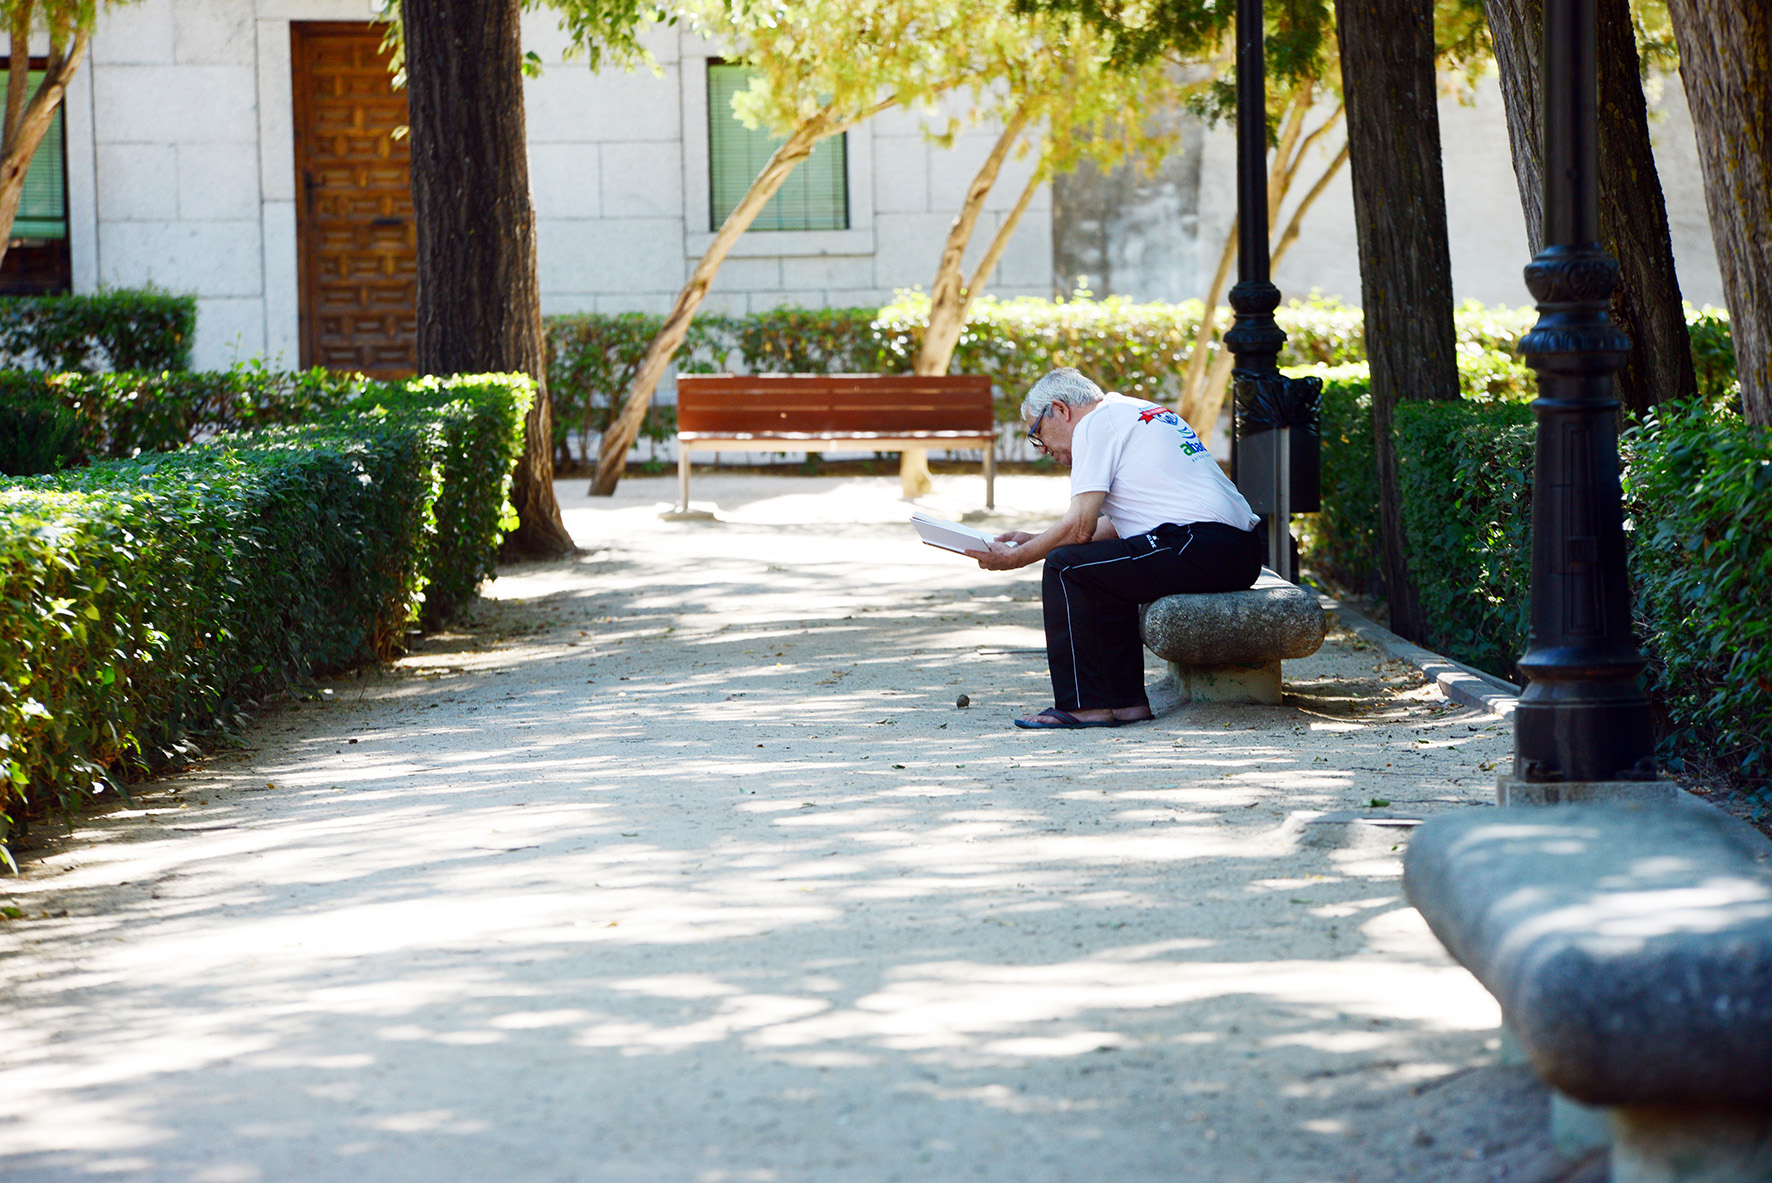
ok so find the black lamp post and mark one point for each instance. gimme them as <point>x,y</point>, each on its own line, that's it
<point>1274,440</point>
<point>1255,338</point>
<point>1583,720</point>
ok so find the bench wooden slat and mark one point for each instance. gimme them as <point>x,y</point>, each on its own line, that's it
<point>813,404</point>
<point>812,412</point>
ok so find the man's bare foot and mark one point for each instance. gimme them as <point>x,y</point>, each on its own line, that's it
<point>1133,714</point>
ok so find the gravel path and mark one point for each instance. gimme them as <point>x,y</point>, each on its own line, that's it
<point>677,861</point>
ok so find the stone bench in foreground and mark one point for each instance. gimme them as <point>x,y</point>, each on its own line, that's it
<point>1630,948</point>
<point>1227,646</point>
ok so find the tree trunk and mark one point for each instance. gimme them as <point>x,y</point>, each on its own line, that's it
<point>28,115</point>
<point>1393,126</point>
<point>1514,27</point>
<point>1726,62</point>
<point>951,297</point>
<point>479,305</point>
<point>619,437</point>
<point>1633,215</point>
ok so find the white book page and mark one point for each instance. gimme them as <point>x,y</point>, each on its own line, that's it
<point>949,535</point>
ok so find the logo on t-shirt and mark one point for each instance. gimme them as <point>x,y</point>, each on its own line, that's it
<point>1190,443</point>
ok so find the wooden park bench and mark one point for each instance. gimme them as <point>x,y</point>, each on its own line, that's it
<point>822,412</point>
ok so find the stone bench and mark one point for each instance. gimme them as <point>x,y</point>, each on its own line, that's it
<point>1630,948</point>
<point>1227,646</point>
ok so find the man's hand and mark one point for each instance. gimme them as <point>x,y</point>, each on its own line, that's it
<point>1000,557</point>
<point>1015,549</point>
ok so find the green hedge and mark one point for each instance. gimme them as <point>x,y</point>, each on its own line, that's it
<point>38,434</point>
<point>592,360</point>
<point>1698,490</point>
<point>115,330</point>
<point>1464,478</point>
<point>1342,542</point>
<point>1713,356</point>
<point>142,601</point>
<point>1138,349</point>
<point>121,415</point>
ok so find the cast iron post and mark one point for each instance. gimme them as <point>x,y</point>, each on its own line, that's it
<point>1253,337</point>
<point>1268,411</point>
<point>1583,718</point>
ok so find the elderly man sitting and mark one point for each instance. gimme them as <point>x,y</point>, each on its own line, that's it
<point>1151,515</point>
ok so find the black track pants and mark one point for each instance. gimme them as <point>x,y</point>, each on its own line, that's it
<point>1091,595</point>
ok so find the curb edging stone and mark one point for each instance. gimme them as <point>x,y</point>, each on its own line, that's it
<point>1456,681</point>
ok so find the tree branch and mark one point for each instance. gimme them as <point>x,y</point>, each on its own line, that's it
<point>18,78</point>
<point>1000,241</point>
<point>619,436</point>
<point>948,297</point>
<point>1295,224</point>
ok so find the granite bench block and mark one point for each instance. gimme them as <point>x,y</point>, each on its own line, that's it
<point>1271,621</point>
<point>1227,646</point>
<point>1630,946</point>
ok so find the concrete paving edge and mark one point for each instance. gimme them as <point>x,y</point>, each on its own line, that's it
<point>1456,681</point>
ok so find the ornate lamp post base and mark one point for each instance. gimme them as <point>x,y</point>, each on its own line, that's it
<point>1510,790</point>
<point>1583,730</point>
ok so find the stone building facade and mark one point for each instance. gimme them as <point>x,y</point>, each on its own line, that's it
<point>183,171</point>
<point>202,156</point>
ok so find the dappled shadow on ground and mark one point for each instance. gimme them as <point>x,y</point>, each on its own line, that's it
<point>677,861</point>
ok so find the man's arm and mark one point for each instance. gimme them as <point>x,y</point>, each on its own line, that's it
<point>1082,522</point>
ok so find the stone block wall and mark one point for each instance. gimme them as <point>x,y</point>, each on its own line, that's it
<point>181,163</point>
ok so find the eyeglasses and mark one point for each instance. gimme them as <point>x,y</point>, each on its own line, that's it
<point>1034,432</point>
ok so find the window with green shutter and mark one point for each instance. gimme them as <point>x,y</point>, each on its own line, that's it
<point>814,197</point>
<point>38,259</point>
<point>43,208</point>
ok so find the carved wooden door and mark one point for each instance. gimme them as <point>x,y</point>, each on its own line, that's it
<point>357,246</point>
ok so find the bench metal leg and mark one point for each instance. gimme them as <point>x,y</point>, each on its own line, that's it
<point>682,478</point>
<point>990,476</point>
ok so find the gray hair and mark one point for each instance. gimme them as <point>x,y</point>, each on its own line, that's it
<point>1060,386</point>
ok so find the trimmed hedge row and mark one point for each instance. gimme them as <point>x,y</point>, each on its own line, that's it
<point>1698,492</point>
<point>1698,489</point>
<point>115,330</point>
<point>144,601</point>
<point>120,415</point>
<point>1464,475</point>
<point>1139,349</point>
<point>592,360</point>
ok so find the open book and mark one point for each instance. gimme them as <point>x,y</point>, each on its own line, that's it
<point>949,535</point>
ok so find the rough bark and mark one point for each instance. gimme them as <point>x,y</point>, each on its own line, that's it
<point>951,297</point>
<point>1633,214</point>
<point>479,304</point>
<point>1387,68</point>
<point>1726,62</point>
<point>29,114</point>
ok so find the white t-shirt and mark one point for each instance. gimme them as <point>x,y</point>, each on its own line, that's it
<point>1152,467</point>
